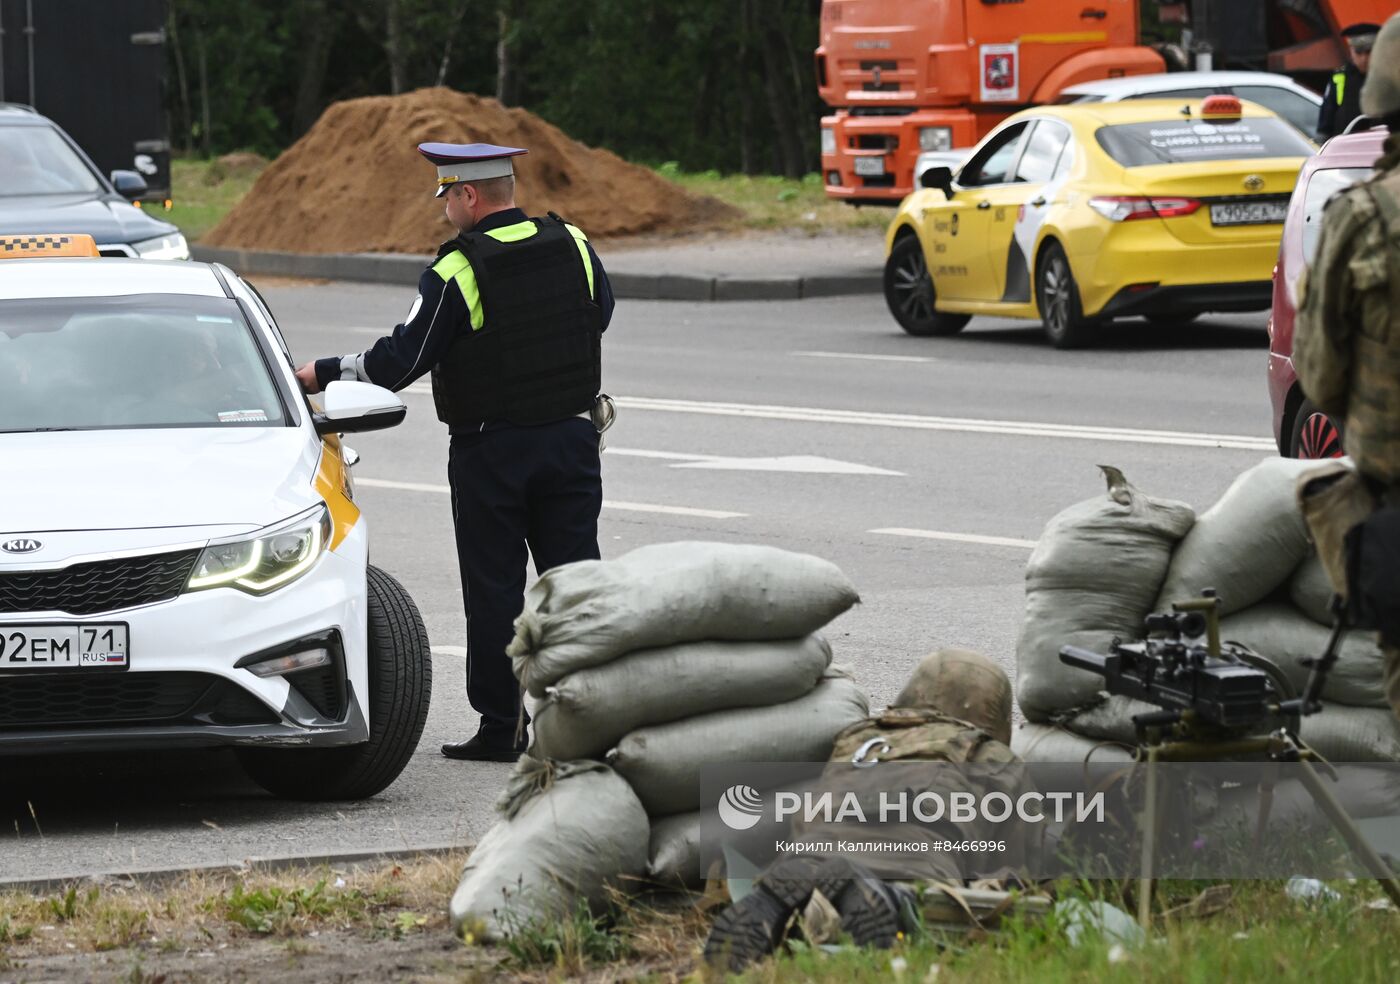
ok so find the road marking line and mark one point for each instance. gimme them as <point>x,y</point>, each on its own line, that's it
<point>959,424</point>
<point>989,541</point>
<point>662,455</point>
<point>451,650</point>
<point>861,355</point>
<point>644,507</point>
<point>372,331</point>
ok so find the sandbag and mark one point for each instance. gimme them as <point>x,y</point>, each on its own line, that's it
<point>1338,732</point>
<point>1245,545</point>
<point>1285,636</point>
<point>675,850</point>
<point>568,831</point>
<point>1093,575</point>
<point>588,613</point>
<point>663,762</point>
<point>1048,743</point>
<point>586,713</point>
<point>1310,590</point>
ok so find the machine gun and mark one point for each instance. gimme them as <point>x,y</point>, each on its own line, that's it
<point>1199,683</point>
<point>1219,701</point>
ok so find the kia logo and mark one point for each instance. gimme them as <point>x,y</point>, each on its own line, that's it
<point>20,545</point>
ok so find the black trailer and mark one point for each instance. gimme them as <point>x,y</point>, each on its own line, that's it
<point>97,69</point>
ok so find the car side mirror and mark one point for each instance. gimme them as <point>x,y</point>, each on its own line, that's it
<point>353,407</point>
<point>129,184</point>
<point>940,177</point>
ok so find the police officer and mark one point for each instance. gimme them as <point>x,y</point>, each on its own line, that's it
<point>509,320</point>
<point>1346,347</point>
<point>1341,102</point>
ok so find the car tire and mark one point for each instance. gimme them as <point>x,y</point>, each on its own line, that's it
<point>1057,296</point>
<point>910,293</point>
<point>1315,435</point>
<point>400,688</point>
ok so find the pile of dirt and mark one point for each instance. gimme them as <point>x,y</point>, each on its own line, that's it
<point>355,182</point>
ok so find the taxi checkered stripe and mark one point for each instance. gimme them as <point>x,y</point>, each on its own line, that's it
<point>22,243</point>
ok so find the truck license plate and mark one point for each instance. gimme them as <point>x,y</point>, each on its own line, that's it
<point>1248,213</point>
<point>63,647</point>
<point>870,167</point>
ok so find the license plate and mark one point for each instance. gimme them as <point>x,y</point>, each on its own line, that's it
<point>1248,213</point>
<point>63,647</point>
<point>870,167</point>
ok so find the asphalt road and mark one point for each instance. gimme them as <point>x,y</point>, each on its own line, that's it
<point>925,468</point>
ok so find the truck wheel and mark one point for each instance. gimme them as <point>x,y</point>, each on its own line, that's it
<point>400,687</point>
<point>1314,434</point>
<point>1058,297</point>
<point>910,294</point>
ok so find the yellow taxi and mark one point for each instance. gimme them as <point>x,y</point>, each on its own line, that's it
<point>1075,215</point>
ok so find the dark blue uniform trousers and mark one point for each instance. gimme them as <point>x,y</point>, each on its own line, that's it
<point>513,486</point>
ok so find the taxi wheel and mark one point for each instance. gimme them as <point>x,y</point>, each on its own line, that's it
<point>1314,434</point>
<point>910,294</point>
<point>400,687</point>
<point>1058,297</point>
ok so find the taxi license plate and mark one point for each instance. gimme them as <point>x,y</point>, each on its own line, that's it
<point>63,647</point>
<point>1248,213</point>
<point>870,167</point>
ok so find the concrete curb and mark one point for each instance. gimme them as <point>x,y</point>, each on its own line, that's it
<point>150,877</point>
<point>404,269</point>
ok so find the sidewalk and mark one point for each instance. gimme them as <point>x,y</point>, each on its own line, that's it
<point>753,267</point>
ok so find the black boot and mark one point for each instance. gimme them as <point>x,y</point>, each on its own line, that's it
<point>753,927</point>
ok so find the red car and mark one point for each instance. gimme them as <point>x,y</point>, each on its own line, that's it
<point>1303,431</point>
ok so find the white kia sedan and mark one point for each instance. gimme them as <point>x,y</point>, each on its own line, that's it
<point>181,558</point>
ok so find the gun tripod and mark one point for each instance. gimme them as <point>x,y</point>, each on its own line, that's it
<point>1277,747</point>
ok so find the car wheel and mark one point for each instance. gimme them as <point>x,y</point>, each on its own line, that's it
<point>1314,434</point>
<point>400,687</point>
<point>1058,297</point>
<point>910,294</point>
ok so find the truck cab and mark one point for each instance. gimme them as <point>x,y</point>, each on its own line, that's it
<point>908,76</point>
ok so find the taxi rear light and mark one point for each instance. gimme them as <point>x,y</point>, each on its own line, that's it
<point>31,246</point>
<point>1124,208</point>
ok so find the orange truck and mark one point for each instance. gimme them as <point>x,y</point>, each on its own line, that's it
<point>906,76</point>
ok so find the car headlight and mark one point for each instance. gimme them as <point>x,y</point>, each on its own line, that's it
<point>267,561</point>
<point>828,140</point>
<point>169,247</point>
<point>935,138</point>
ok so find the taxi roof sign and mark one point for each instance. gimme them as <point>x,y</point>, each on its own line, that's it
<point>36,246</point>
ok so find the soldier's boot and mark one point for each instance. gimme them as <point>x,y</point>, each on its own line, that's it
<point>753,927</point>
<point>873,911</point>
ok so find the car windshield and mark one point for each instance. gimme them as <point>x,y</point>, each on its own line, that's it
<point>1189,141</point>
<point>141,361</point>
<point>1321,186</point>
<point>35,160</point>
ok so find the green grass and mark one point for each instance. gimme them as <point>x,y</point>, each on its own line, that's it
<point>777,203</point>
<point>1261,936</point>
<point>203,193</point>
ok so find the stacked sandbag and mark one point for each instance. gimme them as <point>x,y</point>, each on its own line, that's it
<point>681,655</point>
<point>1247,544</point>
<point>1093,576</point>
<point>569,831</point>
<point>1252,548</point>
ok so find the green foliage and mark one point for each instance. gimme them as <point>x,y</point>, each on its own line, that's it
<point>12,933</point>
<point>569,944</point>
<point>270,910</point>
<point>724,86</point>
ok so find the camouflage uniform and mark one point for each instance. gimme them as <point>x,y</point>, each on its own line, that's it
<point>905,740</point>
<point>1346,346</point>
